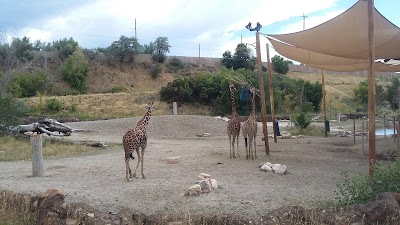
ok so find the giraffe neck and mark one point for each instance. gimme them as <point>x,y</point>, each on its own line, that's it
<point>145,120</point>
<point>253,106</point>
<point>234,114</point>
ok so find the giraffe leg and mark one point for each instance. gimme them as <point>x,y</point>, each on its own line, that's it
<point>237,145</point>
<point>251,146</point>
<point>233,146</point>
<point>127,169</point>
<point>255,145</point>
<point>230,146</point>
<point>142,158</point>
<point>139,160</point>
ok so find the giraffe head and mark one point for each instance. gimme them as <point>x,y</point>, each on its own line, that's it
<point>150,107</point>
<point>232,87</point>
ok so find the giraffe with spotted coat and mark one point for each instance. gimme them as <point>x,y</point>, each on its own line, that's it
<point>133,140</point>
<point>233,128</point>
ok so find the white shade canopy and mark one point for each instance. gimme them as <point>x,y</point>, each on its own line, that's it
<point>341,44</point>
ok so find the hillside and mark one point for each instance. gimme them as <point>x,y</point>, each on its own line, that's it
<point>136,87</point>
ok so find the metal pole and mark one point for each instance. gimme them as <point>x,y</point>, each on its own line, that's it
<point>271,94</point>
<point>324,102</point>
<point>262,94</point>
<point>371,86</point>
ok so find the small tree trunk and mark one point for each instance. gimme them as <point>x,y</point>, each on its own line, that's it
<point>37,156</point>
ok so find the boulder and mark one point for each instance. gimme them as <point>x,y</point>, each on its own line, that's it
<point>194,190</point>
<point>206,186</point>
<point>214,183</point>
<point>50,208</point>
<point>266,168</point>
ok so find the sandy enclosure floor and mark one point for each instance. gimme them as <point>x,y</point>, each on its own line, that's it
<point>175,157</point>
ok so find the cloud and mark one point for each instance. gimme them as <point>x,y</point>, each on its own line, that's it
<point>214,25</point>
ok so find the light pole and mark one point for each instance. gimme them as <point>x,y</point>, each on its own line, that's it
<point>261,85</point>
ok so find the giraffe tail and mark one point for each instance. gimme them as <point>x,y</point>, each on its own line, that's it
<point>245,142</point>
<point>131,156</point>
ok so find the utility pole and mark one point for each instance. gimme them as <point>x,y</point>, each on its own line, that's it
<point>199,51</point>
<point>304,21</point>
<point>135,30</point>
<point>261,85</point>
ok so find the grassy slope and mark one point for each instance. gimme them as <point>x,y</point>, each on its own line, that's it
<point>339,88</point>
<point>141,88</point>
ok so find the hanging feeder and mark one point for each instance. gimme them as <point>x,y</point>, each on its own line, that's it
<point>244,94</point>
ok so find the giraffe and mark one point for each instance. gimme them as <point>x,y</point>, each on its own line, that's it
<point>249,129</point>
<point>134,139</point>
<point>233,128</point>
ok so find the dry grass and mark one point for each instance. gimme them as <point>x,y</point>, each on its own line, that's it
<point>339,88</point>
<point>14,149</point>
<point>15,209</point>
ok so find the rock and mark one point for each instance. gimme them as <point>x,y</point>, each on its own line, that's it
<point>214,183</point>
<point>206,186</point>
<point>194,190</point>
<point>279,169</point>
<point>266,168</point>
<point>49,207</point>
<point>204,176</point>
<point>203,135</point>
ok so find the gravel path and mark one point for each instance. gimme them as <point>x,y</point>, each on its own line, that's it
<point>174,158</point>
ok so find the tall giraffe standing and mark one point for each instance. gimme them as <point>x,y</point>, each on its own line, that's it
<point>233,128</point>
<point>134,139</point>
<point>249,129</point>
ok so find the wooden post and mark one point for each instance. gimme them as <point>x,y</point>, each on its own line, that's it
<point>363,147</point>
<point>371,86</point>
<point>324,102</point>
<point>262,94</point>
<point>397,129</point>
<point>354,129</point>
<point>37,156</point>
<point>174,108</point>
<point>384,125</point>
<point>394,129</point>
<point>271,94</point>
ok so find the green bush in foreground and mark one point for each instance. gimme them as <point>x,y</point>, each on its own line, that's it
<point>363,188</point>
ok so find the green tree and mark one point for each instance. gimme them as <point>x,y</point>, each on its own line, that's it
<point>227,59</point>
<point>125,48</point>
<point>23,48</point>
<point>75,71</point>
<point>8,62</point>
<point>361,94</point>
<point>161,48</point>
<point>148,49</point>
<point>280,65</point>
<point>242,58</point>
<point>11,112</point>
<point>393,93</point>
<point>65,47</point>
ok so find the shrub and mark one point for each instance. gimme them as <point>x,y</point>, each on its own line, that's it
<point>363,188</point>
<point>177,63</point>
<point>54,104</point>
<point>156,71</point>
<point>27,85</point>
<point>11,112</point>
<point>118,89</point>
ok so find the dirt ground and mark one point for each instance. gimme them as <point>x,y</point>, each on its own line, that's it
<point>174,158</point>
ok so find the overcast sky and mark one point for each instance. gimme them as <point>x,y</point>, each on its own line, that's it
<point>216,26</point>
